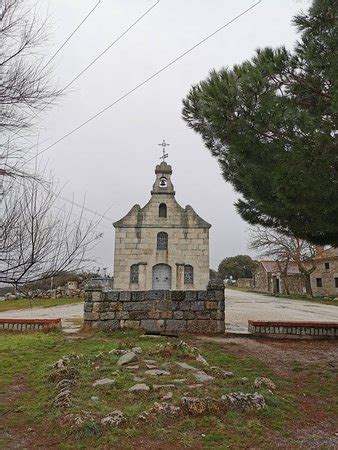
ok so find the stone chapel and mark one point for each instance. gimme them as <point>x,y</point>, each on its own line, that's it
<point>161,246</point>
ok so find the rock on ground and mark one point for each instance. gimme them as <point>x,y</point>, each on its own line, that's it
<point>157,372</point>
<point>103,382</point>
<point>264,382</point>
<point>244,402</point>
<point>126,358</point>
<point>114,419</point>
<point>141,387</point>
<point>202,376</point>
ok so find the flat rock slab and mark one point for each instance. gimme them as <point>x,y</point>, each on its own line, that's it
<point>157,387</point>
<point>151,366</point>
<point>186,366</point>
<point>157,372</point>
<point>132,367</point>
<point>202,376</point>
<point>126,358</point>
<point>103,382</point>
<point>141,387</point>
<point>150,361</point>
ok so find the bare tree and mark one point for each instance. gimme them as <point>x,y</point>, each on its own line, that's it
<point>25,86</point>
<point>284,249</point>
<point>40,240</point>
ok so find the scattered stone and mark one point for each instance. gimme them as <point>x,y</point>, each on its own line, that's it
<point>202,376</point>
<point>59,374</point>
<point>167,396</point>
<point>77,420</point>
<point>138,379</point>
<point>65,383</point>
<point>180,380</point>
<point>94,398</point>
<point>194,386</point>
<point>222,373</point>
<point>142,387</point>
<point>202,360</point>
<point>149,361</point>
<point>63,399</point>
<point>61,363</point>
<point>165,409</point>
<point>151,366</point>
<point>114,419</point>
<point>185,346</point>
<point>244,379</point>
<point>193,406</point>
<point>157,387</point>
<point>103,382</point>
<point>244,402</point>
<point>185,366</point>
<point>157,372</point>
<point>264,382</point>
<point>132,367</point>
<point>137,350</point>
<point>126,358</point>
<point>117,351</point>
<point>143,417</point>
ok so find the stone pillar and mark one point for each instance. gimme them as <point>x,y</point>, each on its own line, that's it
<point>179,277</point>
<point>93,295</point>
<point>215,293</point>
<point>142,276</point>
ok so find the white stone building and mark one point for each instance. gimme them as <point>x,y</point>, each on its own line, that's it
<point>162,245</point>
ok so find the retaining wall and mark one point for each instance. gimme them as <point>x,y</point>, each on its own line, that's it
<point>28,324</point>
<point>293,329</point>
<point>156,311</point>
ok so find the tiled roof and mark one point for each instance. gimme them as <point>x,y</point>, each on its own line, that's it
<point>272,266</point>
<point>331,252</point>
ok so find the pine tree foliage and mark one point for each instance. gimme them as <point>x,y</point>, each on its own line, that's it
<point>271,122</point>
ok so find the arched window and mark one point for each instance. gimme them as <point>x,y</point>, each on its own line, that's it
<point>188,274</point>
<point>162,210</point>
<point>134,273</point>
<point>162,241</point>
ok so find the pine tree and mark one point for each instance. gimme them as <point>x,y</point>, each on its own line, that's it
<point>271,123</point>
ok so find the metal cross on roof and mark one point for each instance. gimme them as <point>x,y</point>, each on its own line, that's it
<point>164,145</point>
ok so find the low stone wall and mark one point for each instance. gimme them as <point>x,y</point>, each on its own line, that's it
<point>294,329</point>
<point>28,324</point>
<point>156,311</point>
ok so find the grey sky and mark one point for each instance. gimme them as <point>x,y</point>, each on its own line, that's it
<point>111,161</point>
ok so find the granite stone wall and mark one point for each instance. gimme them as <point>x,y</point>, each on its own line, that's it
<point>294,329</point>
<point>156,311</point>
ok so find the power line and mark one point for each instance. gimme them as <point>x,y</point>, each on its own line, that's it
<point>149,78</point>
<point>70,36</point>
<point>93,62</point>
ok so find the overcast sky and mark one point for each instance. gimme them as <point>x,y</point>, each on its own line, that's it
<point>111,160</point>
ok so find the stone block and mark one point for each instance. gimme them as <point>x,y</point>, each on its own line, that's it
<point>112,296</point>
<point>137,315</point>
<point>201,326</point>
<point>184,306</point>
<point>215,295</point>
<point>150,325</point>
<point>97,296</point>
<point>190,295</point>
<point>115,306</point>
<point>166,315</point>
<point>197,306</point>
<point>177,296</point>
<point>91,316</point>
<point>175,325</point>
<point>125,296</point>
<point>133,324</point>
<point>136,306</point>
<point>153,314</point>
<point>178,315</point>
<point>88,307</point>
<point>217,315</point>
<point>156,295</point>
<point>138,296</point>
<point>202,295</point>
<point>107,315</point>
<point>189,315</point>
<point>100,307</point>
<point>211,305</point>
<point>203,315</point>
<point>122,315</point>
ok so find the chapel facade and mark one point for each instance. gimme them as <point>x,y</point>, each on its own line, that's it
<point>161,246</point>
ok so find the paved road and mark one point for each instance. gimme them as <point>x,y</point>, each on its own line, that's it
<point>239,308</point>
<point>242,306</point>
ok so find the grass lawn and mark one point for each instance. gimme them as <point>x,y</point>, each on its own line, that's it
<point>7,305</point>
<point>320,300</point>
<point>301,411</point>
